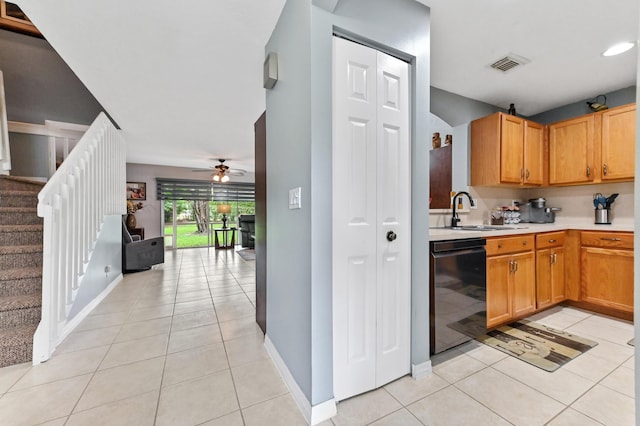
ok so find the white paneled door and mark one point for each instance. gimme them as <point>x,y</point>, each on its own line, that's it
<point>371,219</point>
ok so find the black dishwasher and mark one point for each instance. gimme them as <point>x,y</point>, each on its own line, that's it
<point>457,292</point>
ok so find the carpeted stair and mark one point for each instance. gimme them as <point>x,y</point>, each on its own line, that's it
<point>20,268</point>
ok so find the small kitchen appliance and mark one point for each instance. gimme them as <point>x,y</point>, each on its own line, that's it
<point>536,211</point>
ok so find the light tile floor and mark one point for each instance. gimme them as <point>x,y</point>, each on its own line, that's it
<point>178,345</point>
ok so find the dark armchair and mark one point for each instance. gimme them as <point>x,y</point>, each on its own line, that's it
<point>138,254</point>
<point>247,228</point>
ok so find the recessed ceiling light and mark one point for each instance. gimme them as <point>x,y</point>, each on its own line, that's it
<point>618,48</point>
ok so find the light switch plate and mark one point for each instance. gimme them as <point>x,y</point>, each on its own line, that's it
<point>295,198</point>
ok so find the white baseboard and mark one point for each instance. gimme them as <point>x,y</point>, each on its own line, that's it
<point>418,371</point>
<point>323,411</point>
<point>312,414</point>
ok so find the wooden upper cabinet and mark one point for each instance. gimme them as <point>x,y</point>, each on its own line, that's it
<point>506,149</point>
<point>534,150</point>
<point>571,155</point>
<point>593,148</point>
<point>511,145</point>
<point>618,143</point>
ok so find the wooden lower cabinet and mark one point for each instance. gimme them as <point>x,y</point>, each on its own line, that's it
<point>511,291</point>
<point>498,290</point>
<point>524,284</point>
<point>550,269</point>
<point>607,269</point>
<point>590,269</point>
<point>550,288</point>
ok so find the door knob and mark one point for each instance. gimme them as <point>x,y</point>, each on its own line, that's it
<point>391,236</point>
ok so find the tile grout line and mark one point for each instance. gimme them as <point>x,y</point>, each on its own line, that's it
<point>166,351</point>
<point>226,353</point>
<point>96,370</point>
<point>471,396</point>
<point>402,406</point>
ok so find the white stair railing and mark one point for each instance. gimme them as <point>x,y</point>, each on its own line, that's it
<point>5,157</point>
<point>89,185</point>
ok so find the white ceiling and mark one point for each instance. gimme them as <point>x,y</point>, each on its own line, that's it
<point>185,83</point>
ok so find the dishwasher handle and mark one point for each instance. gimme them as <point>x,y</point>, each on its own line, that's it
<point>456,245</point>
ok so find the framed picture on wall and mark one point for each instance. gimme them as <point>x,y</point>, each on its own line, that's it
<point>13,18</point>
<point>137,191</point>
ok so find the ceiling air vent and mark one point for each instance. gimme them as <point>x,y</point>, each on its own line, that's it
<point>509,62</point>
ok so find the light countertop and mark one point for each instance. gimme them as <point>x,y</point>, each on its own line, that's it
<point>439,234</point>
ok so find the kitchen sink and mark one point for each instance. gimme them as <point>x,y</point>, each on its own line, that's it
<point>477,228</point>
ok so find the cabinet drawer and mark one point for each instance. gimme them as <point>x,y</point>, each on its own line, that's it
<point>504,245</point>
<point>623,240</point>
<point>550,239</point>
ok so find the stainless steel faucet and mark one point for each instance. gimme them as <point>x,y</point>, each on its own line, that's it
<point>454,218</point>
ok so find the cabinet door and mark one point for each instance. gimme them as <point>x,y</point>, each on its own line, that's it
<point>618,143</point>
<point>607,277</point>
<point>511,156</point>
<point>549,277</point>
<point>558,293</point>
<point>544,261</point>
<point>524,285</point>
<point>533,153</point>
<point>571,156</point>
<point>498,297</point>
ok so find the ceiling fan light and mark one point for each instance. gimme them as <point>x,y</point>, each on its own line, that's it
<point>619,48</point>
<point>216,178</point>
<point>225,178</point>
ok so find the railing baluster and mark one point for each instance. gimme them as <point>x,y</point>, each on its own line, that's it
<point>89,185</point>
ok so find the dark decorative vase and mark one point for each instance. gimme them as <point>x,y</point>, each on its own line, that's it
<point>131,221</point>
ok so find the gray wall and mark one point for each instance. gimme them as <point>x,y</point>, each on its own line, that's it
<point>39,85</point>
<point>576,109</point>
<point>107,252</point>
<point>456,109</point>
<point>289,243</point>
<point>299,321</point>
<point>29,155</point>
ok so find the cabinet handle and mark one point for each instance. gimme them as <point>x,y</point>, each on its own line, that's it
<point>610,239</point>
<point>511,267</point>
<point>588,171</point>
<point>527,174</point>
<point>552,240</point>
<point>524,243</point>
<point>604,169</point>
<point>515,264</point>
<point>521,174</point>
<point>499,246</point>
<point>551,259</point>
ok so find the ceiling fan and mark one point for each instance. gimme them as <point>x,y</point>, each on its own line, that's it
<point>221,172</point>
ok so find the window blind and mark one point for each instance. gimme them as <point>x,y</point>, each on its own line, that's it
<point>205,190</point>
